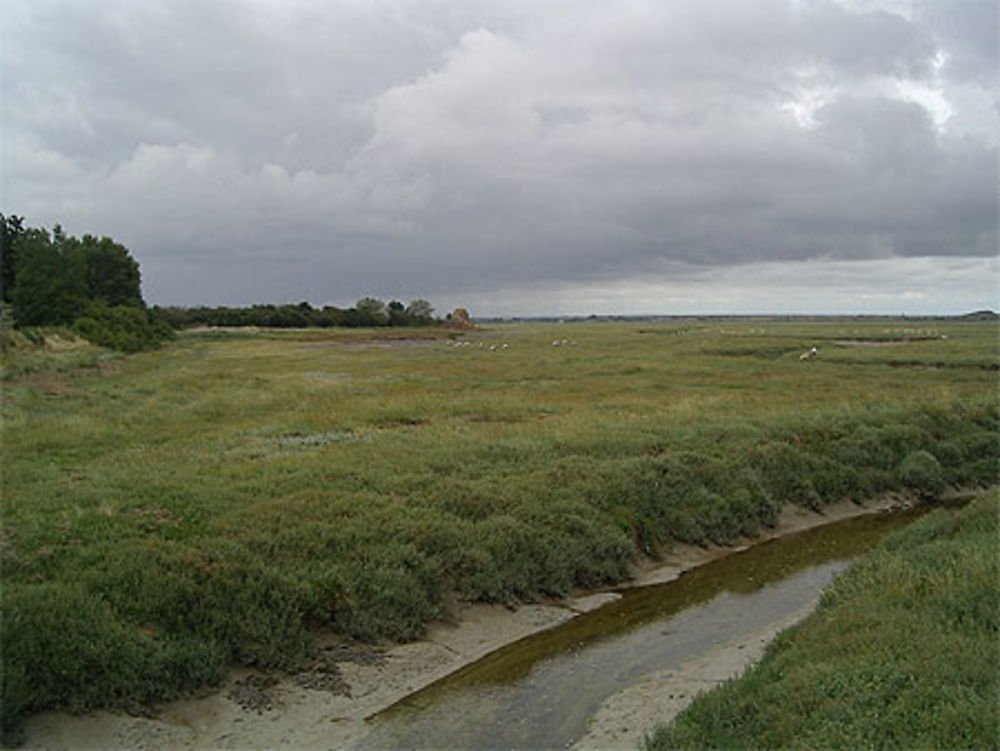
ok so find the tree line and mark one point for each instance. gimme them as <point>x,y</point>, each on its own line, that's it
<point>91,285</point>
<point>88,284</point>
<point>368,311</point>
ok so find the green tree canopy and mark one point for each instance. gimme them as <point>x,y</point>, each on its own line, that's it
<point>112,274</point>
<point>374,312</point>
<point>420,311</point>
<point>90,284</point>
<point>11,228</point>
<point>50,287</point>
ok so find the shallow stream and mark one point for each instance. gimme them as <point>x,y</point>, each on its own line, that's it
<point>541,691</point>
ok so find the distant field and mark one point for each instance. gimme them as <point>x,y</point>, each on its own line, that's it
<point>170,513</point>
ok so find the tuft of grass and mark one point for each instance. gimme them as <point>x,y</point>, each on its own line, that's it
<point>901,653</point>
<point>922,472</point>
<point>46,350</point>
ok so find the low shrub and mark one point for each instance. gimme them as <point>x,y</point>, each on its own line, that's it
<point>921,472</point>
<point>251,612</point>
<point>99,661</point>
<point>126,328</point>
<point>787,471</point>
<point>389,592</point>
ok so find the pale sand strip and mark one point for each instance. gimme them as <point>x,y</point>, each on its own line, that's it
<point>626,717</point>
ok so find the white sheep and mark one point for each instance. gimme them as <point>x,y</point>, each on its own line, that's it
<point>809,355</point>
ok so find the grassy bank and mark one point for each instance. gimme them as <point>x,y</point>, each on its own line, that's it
<point>215,502</point>
<point>49,350</point>
<point>902,653</point>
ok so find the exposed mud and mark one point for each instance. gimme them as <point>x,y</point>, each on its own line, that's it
<point>325,674</point>
<point>251,694</point>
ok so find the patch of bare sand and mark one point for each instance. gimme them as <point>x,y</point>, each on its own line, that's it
<point>625,718</point>
<point>304,718</point>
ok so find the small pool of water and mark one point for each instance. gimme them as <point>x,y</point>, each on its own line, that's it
<point>539,692</point>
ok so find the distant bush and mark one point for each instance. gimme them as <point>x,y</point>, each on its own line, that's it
<point>127,328</point>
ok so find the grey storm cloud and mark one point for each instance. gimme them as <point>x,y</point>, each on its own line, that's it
<point>276,151</point>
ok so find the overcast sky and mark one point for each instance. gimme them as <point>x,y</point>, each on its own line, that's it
<point>518,157</point>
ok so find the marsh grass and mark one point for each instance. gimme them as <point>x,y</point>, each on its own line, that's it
<point>53,350</point>
<point>902,653</point>
<point>217,501</point>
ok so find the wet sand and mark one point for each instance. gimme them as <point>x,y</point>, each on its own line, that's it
<point>304,718</point>
<point>625,718</point>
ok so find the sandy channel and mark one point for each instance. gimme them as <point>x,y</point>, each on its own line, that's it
<point>304,718</point>
<point>625,718</point>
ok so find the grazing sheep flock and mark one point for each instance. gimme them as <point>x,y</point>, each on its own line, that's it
<point>499,346</point>
<point>477,345</point>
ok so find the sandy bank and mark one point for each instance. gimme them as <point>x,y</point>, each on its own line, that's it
<point>626,717</point>
<point>291,716</point>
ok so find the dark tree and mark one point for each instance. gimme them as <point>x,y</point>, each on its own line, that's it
<point>11,229</point>
<point>50,286</point>
<point>112,274</point>
<point>397,314</point>
<point>420,312</point>
<point>372,311</point>
<point>88,284</point>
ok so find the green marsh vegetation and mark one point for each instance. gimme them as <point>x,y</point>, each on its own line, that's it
<point>217,501</point>
<point>48,350</point>
<point>902,653</point>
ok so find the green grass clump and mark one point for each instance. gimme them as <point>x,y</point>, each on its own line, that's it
<point>902,653</point>
<point>124,328</point>
<point>96,660</point>
<point>922,472</point>
<point>46,350</point>
<point>218,501</point>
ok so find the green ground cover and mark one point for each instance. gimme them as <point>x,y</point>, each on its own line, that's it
<point>48,350</point>
<point>903,652</point>
<point>174,512</point>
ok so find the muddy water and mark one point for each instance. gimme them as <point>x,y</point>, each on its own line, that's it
<point>540,692</point>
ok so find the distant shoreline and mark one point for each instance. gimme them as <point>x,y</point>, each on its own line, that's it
<point>976,316</point>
